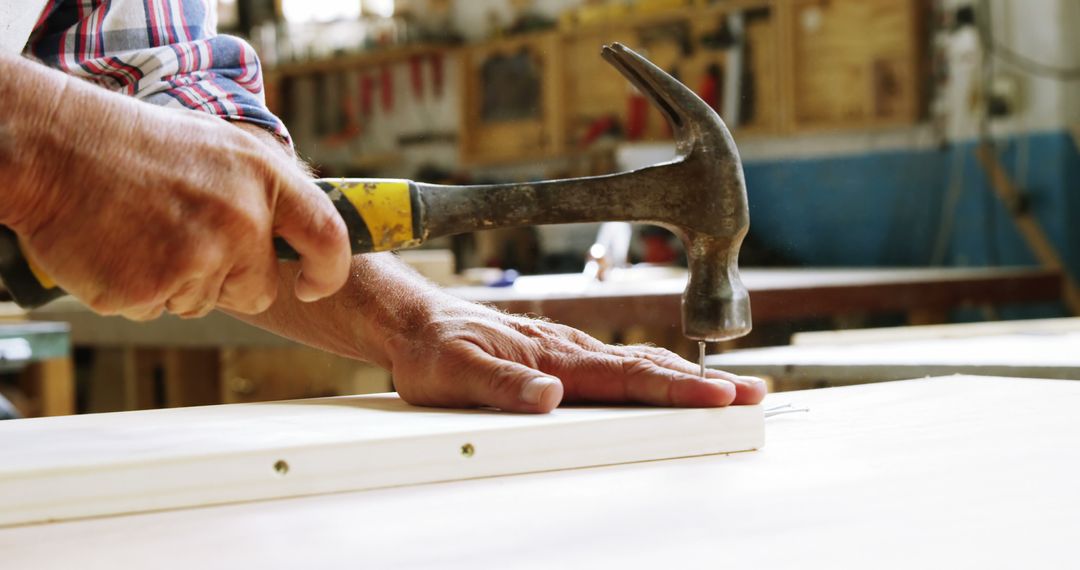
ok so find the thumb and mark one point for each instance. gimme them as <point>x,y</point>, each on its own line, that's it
<point>510,386</point>
<point>306,218</point>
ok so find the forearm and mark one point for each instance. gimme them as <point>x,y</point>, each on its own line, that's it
<point>383,298</point>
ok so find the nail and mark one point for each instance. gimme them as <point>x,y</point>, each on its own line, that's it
<point>533,390</point>
<point>304,292</point>
<point>753,380</point>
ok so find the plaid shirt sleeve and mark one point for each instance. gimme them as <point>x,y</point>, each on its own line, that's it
<point>165,52</point>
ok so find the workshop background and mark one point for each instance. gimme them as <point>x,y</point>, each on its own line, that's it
<point>875,135</point>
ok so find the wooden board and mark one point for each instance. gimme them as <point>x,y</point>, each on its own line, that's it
<point>944,473</point>
<point>107,464</point>
<point>854,63</point>
<point>930,332</point>
<point>1051,356</point>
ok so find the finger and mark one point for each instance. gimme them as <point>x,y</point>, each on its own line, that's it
<point>305,217</point>
<point>509,386</point>
<point>601,377</point>
<point>479,379</point>
<point>196,298</point>
<point>143,314</point>
<point>252,286</point>
<point>185,298</point>
<point>749,390</point>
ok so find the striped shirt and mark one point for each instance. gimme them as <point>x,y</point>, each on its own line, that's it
<point>165,52</point>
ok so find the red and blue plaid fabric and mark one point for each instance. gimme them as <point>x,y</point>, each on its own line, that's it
<point>165,52</point>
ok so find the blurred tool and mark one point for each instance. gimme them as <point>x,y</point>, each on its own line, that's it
<point>611,250</point>
<point>386,88</point>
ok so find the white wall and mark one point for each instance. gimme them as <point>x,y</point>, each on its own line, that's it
<point>1042,30</point>
<point>471,16</point>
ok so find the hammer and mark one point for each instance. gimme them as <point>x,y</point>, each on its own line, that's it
<point>700,196</point>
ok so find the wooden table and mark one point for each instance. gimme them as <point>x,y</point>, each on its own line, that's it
<point>776,294</point>
<point>1042,348</point>
<point>184,353</point>
<point>959,472</point>
<point>925,294</point>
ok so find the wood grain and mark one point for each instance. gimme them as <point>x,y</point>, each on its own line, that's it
<point>944,473</point>
<point>106,464</point>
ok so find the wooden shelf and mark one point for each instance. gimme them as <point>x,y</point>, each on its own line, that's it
<point>811,66</point>
<point>359,60</point>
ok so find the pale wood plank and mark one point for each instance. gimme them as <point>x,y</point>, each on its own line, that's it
<point>104,464</point>
<point>926,332</point>
<point>1052,356</point>
<point>944,473</point>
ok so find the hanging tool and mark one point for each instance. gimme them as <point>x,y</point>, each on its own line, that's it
<point>711,84</point>
<point>416,75</point>
<point>386,88</point>
<point>700,197</point>
<point>437,74</point>
<point>367,95</point>
<point>637,115</point>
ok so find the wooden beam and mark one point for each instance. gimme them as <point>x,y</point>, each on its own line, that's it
<point>54,381</point>
<point>1028,225</point>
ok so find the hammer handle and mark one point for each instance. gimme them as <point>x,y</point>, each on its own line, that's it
<point>381,215</point>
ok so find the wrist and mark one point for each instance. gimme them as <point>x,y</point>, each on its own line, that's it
<point>391,301</point>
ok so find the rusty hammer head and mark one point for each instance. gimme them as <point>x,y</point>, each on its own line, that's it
<point>701,198</point>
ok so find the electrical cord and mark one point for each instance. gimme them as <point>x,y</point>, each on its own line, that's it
<point>1011,56</point>
<point>1033,67</point>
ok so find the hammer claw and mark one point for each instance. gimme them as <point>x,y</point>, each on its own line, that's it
<point>648,78</point>
<point>681,106</point>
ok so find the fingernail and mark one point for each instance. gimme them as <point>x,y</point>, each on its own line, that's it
<point>304,292</point>
<point>533,390</point>
<point>264,303</point>
<point>753,380</point>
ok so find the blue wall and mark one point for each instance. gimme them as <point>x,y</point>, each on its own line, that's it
<point>884,208</point>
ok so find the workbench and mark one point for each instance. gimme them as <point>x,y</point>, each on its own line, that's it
<point>232,353</point>
<point>1041,348</point>
<point>924,294</point>
<point>960,472</point>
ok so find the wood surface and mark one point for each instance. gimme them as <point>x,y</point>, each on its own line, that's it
<point>944,473</point>
<point>854,63</point>
<point>929,332</point>
<point>107,464</point>
<point>1039,355</point>
<point>55,380</point>
<point>784,294</point>
<point>492,142</point>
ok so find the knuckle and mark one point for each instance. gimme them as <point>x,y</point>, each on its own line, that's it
<point>102,303</point>
<point>327,228</point>
<point>635,366</point>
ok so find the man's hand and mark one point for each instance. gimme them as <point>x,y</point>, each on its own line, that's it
<point>446,352</point>
<point>137,209</point>
<point>469,356</point>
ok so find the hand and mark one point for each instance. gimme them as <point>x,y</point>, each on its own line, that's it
<point>469,356</point>
<point>141,209</point>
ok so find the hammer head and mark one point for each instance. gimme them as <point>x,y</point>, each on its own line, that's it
<point>703,201</point>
